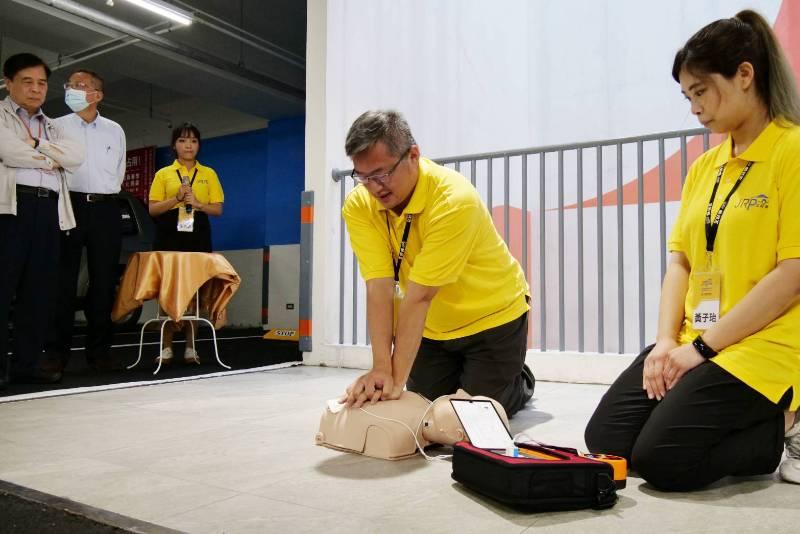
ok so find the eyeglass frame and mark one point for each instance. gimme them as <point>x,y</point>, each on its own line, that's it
<point>382,178</point>
<point>87,88</point>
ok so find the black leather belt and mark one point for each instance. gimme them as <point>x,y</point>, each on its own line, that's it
<point>41,192</point>
<point>92,197</point>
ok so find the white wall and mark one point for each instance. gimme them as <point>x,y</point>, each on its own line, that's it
<point>474,76</point>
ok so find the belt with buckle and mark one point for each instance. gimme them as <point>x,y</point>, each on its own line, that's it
<point>41,192</point>
<point>93,197</point>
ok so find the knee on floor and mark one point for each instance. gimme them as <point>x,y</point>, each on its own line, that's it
<point>663,471</point>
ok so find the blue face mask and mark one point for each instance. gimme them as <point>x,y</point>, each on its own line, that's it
<point>76,100</point>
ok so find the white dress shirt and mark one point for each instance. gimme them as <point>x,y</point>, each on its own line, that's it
<point>104,167</point>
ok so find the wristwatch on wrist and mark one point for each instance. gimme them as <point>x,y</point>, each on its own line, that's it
<point>703,349</point>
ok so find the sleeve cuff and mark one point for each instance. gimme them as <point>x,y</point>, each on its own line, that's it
<point>372,275</point>
<point>675,246</point>
<point>430,282</point>
<point>786,253</point>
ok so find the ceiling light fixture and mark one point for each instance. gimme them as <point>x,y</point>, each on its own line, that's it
<point>165,10</point>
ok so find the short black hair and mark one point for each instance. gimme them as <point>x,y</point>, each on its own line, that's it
<point>184,130</point>
<point>18,62</point>
<point>96,77</point>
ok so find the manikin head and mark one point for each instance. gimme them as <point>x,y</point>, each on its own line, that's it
<point>441,424</point>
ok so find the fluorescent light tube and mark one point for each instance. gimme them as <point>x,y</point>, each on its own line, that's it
<point>165,10</point>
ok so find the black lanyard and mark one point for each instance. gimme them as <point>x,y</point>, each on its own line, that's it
<point>713,227</point>
<point>178,172</point>
<point>403,243</point>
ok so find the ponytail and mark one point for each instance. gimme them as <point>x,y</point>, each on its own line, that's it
<point>780,94</point>
<point>722,46</point>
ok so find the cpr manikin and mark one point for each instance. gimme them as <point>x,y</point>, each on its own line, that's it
<point>396,429</point>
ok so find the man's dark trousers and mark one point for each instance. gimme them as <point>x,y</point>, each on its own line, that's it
<point>29,243</point>
<point>489,363</point>
<point>99,231</point>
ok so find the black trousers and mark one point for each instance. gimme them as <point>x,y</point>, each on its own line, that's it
<point>99,231</point>
<point>488,363</point>
<point>29,243</point>
<point>710,425</point>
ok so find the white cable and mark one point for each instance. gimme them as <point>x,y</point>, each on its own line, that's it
<point>414,434</point>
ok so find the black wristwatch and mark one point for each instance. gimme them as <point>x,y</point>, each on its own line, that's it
<point>35,142</point>
<point>704,350</point>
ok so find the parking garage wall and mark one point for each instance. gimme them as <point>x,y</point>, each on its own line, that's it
<point>262,173</point>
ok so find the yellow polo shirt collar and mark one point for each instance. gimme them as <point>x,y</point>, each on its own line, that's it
<point>760,150</point>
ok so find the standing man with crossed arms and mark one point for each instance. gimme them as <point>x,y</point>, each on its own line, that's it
<point>34,207</point>
<point>93,189</point>
<point>447,303</point>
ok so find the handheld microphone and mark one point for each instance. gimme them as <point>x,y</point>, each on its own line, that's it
<point>185,181</point>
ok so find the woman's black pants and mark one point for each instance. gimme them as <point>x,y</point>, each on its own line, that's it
<point>710,425</point>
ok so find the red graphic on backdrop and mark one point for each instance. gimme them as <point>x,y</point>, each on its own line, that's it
<point>788,18</point>
<point>139,171</point>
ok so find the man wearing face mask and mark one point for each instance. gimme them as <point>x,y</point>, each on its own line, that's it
<point>34,205</point>
<point>93,188</point>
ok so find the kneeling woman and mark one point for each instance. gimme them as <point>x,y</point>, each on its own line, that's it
<point>182,197</point>
<point>717,394</point>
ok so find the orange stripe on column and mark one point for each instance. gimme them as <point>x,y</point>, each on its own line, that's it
<point>307,214</point>
<point>305,327</point>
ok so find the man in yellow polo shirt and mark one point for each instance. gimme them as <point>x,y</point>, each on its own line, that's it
<point>447,303</point>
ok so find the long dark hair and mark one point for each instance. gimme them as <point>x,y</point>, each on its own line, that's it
<point>183,131</point>
<point>723,45</point>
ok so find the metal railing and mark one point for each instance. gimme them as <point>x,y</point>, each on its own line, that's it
<point>533,186</point>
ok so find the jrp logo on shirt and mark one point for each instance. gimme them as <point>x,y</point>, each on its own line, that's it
<point>758,201</point>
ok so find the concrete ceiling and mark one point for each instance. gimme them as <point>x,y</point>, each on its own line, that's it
<point>160,73</point>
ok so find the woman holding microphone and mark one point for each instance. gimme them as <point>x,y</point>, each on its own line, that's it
<point>182,197</point>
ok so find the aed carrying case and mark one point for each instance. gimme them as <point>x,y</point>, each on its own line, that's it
<point>559,479</point>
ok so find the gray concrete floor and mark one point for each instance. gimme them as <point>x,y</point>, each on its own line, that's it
<point>236,454</point>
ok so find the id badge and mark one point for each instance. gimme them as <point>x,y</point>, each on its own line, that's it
<point>185,220</point>
<point>708,288</point>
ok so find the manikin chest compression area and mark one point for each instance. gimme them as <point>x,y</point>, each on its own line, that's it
<point>396,429</point>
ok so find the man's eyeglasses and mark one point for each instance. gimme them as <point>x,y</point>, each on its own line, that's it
<point>80,86</point>
<point>382,178</point>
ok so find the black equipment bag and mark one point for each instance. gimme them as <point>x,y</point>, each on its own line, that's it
<point>567,481</point>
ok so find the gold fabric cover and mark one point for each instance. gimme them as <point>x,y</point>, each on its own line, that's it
<point>173,278</point>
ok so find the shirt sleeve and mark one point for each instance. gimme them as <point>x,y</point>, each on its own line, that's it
<point>677,237</point>
<point>123,157</point>
<point>215,194</point>
<point>788,208</point>
<point>158,188</point>
<point>447,244</point>
<point>370,245</point>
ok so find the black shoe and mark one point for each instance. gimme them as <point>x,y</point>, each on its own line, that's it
<point>530,381</point>
<point>38,376</point>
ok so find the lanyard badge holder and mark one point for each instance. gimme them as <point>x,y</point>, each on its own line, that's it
<point>186,213</point>
<point>707,285</point>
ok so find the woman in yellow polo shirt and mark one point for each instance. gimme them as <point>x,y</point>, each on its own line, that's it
<point>717,394</point>
<point>182,197</point>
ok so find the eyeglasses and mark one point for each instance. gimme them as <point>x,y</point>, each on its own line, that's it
<point>80,86</point>
<point>380,179</point>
